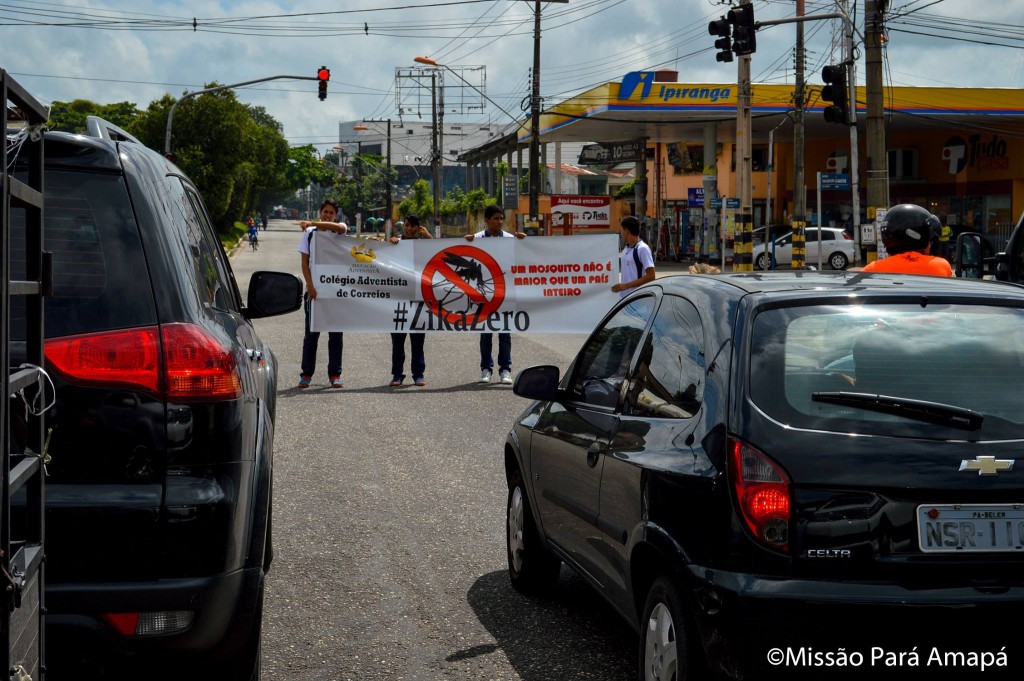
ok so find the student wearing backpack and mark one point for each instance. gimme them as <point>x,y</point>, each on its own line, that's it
<point>636,262</point>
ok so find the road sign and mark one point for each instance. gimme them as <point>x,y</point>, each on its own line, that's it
<point>732,204</point>
<point>839,181</point>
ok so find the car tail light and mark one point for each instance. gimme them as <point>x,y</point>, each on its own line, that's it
<point>129,358</point>
<point>762,493</point>
<point>198,365</point>
<point>847,236</point>
<point>149,623</point>
<point>195,364</point>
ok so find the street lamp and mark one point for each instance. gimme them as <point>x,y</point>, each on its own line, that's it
<point>438,120</point>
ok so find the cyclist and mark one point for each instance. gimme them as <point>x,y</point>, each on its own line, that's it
<point>254,235</point>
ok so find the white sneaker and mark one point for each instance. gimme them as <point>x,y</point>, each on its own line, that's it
<point>485,376</point>
<point>506,377</point>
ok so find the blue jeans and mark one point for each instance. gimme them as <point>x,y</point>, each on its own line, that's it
<point>504,351</point>
<point>335,343</point>
<point>418,364</point>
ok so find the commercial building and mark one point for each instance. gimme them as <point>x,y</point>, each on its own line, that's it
<point>957,151</point>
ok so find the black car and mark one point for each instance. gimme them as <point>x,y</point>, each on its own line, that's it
<point>158,495</point>
<point>774,473</point>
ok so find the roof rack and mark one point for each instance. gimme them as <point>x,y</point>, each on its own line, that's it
<point>104,129</point>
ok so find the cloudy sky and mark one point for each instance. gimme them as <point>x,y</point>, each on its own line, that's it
<point>116,50</point>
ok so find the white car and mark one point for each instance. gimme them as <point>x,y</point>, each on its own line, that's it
<point>836,249</point>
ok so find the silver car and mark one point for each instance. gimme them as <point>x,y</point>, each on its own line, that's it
<point>836,248</point>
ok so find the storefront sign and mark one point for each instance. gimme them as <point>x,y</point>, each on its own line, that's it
<point>732,204</point>
<point>610,153</point>
<point>510,191</point>
<point>588,212</point>
<point>695,197</point>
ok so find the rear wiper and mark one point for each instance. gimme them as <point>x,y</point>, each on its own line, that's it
<point>919,410</point>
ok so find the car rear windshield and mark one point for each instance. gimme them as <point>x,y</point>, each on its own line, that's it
<point>100,279</point>
<point>961,356</point>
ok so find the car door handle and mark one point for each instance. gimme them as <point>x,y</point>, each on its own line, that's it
<point>594,454</point>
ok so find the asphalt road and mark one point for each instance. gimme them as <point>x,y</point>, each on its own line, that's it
<point>389,519</point>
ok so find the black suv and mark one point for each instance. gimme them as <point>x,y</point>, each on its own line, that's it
<point>158,499</point>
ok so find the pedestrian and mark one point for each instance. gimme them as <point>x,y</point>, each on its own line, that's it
<point>494,217</point>
<point>906,233</point>
<point>411,229</point>
<point>335,339</point>
<point>265,220</point>
<point>636,262</point>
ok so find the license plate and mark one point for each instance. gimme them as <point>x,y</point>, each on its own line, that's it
<point>968,528</point>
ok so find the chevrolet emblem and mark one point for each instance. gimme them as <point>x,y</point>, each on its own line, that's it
<point>987,465</point>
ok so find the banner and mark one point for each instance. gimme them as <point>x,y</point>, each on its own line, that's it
<point>588,212</point>
<point>537,284</point>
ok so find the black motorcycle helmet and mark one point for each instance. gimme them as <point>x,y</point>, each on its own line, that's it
<point>906,227</point>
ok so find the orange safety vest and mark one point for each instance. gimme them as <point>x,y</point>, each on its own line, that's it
<point>911,262</point>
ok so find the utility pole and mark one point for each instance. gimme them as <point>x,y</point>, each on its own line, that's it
<point>534,172</point>
<point>878,157</point>
<point>854,144</point>
<point>798,222</point>
<point>743,45</point>
<point>435,152</point>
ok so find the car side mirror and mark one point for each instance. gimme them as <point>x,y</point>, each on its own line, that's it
<point>968,261</point>
<point>273,293</point>
<point>537,383</point>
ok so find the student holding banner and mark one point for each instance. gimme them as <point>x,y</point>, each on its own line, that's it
<point>411,229</point>
<point>494,216</point>
<point>636,262</point>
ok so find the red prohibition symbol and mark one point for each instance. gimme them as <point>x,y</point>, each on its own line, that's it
<point>463,284</point>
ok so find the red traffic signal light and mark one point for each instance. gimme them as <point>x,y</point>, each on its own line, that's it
<point>323,75</point>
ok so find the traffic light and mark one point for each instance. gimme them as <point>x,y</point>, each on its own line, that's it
<point>744,35</point>
<point>323,75</point>
<point>722,28</point>
<point>835,91</point>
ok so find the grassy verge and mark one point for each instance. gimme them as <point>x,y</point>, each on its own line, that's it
<point>229,240</point>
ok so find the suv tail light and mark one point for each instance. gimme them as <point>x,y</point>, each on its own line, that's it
<point>198,365</point>
<point>762,493</point>
<point>195,365</point>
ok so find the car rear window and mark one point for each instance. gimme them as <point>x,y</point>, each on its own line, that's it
<point>965,356</point>
<point>100,279</point>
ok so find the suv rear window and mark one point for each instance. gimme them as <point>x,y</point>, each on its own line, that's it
<point>960,355</point>
<point>100,279</point>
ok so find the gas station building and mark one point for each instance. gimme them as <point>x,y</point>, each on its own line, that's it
<point>959,152</point>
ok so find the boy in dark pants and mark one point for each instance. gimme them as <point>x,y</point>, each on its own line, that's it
<point>411,229</point>
<point>335,339</point>
<point>494,216</point>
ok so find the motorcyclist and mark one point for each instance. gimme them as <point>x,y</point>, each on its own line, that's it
<point>906,233</point>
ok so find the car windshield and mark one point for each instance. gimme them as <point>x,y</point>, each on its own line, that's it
<point>918,371</point>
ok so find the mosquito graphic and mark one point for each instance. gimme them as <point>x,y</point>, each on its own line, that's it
<point>454,298</point>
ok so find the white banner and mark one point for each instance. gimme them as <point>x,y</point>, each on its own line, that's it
<point>541,284</point>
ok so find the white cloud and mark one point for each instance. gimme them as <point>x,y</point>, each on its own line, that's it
<point>581,47</point>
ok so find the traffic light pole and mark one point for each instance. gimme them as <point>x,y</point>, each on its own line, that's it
<point>851,70</point>
<point>170,114</point>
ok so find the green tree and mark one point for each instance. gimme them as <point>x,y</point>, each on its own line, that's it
<point>234,153</point>
<point>420,201</point>
<point>70,116</point>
